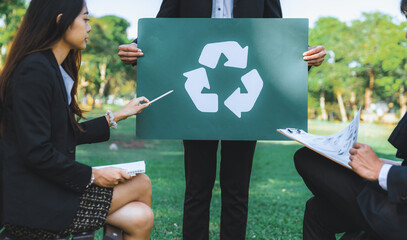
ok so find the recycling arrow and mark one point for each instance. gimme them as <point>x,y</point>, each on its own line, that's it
<point>197,80</point>
<point>243,102</point>
<point>236,55</point>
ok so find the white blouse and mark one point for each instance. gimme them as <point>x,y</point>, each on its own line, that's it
<point>68,83</point>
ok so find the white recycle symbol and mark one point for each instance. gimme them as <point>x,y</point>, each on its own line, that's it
<point>197,79</point>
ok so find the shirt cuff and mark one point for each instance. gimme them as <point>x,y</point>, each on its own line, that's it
<point>383,175</point>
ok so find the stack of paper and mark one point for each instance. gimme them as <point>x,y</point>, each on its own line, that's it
<point>131,168</point>
<point>335,147</point>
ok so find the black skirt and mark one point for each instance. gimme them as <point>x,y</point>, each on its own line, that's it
<point>91,215</point>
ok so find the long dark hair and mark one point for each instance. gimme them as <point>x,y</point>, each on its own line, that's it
<point>403,7</point>
<point>39,31</point>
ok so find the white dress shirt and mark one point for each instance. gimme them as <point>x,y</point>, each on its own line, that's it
<point>383,175</point>
<point>68,83</point>
<point>222,9</point>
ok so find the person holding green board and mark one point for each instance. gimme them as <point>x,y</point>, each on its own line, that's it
<point>201,156</point>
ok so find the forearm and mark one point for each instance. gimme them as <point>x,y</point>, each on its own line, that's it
<point>46,161</point>
<point>397,184</point>
<point>95,130</point>
<point>117,116</point>
<point>384,171</point>
<point>134,107</point>
<point>383,174</point>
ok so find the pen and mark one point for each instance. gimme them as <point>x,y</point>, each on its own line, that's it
<point>165,94</point>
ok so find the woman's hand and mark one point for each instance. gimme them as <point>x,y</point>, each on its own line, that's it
<point>109,177</point>
<point>365,162</point>
<point>134,107</point>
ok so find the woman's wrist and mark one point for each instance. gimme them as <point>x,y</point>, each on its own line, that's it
<point>120,115</point>
<point>114,117</point>
<point>111,119</point>
<point>92,179</point>
<point>96,176</point>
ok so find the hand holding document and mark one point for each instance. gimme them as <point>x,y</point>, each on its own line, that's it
<point>335,147</point>
<point>131,168</point>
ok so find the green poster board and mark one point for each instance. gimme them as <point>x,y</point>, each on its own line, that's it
<point>233,79</point>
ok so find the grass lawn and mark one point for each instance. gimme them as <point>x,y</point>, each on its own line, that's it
<point>277,193</point>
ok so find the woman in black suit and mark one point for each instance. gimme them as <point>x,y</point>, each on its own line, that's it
<point>45,192</point>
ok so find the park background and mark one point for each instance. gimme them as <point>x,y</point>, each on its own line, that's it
<point>365,68</point>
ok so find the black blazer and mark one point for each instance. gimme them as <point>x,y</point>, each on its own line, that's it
<point>41,181</point>
<point>386,211</point>
<point>203,9</point>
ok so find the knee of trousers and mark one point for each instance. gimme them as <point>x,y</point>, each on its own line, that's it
<point>237,190</point>
<point>309,203</point>
<point>300,159</point>
<point>311,207</point>
<point>198,192</point>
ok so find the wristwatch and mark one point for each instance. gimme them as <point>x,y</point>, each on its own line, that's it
<point>92,179</point>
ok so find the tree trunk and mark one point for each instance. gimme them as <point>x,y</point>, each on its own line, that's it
<point>3,53</point>
<point>81,94</point>
<point>94,101</point>
<point>403,101</point>
<point>324,115</point>
<point>114,94</point>
<point>369,91</point>
<point>353,101</point>
<point>342,107</point>
<point>102,67</point>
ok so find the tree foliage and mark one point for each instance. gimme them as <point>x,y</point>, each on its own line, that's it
<point>105,74</point>
<point>11,13</point>
<point>366,62</point>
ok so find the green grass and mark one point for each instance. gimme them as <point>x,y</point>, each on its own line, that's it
<point>277,193</point>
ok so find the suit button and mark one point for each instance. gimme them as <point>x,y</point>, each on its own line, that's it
<point>71,151</point>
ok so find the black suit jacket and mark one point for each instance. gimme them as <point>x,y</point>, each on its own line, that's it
<point>203,9</point>
<point>41,181</point>
<point>386,211</point>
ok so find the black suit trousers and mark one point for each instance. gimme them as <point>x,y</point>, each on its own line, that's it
<point>200,175</point>
<point>334,207</point>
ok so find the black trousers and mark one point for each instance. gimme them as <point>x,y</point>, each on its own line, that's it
<point>333,208</point>
<point>200,174</point>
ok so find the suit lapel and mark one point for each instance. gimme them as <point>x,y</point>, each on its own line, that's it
<point>61,83</point>
<point>54,63</point>
<point>235,2</point>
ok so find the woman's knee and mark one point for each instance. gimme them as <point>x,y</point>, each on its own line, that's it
<point>148,218</point>
<point>141,217</point>
<point>142,178</point>
<point>142,182</point>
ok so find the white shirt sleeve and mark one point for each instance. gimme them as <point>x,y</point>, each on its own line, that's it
<point>383,175</point>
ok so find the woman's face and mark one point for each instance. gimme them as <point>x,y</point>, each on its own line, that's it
<point>76,36</point>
